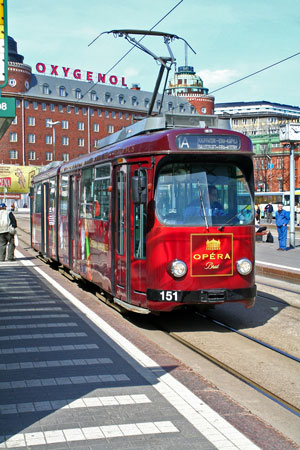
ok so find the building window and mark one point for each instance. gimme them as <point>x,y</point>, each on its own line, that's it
<point>31,121</point>
<point>26,104</point>
<point>99,112</point>
<point>80,142</point>
<point>65,156</point>
<point>108,98</point>
<point>69,109</point>
<point>62,91</point>
<point>48,156</point>
<point>78,94</point>
<point>48,123</point>
<point>76,109</point>
<point>121,99</point>
<point>120,115</point>
<point>110,129</point>
<point>48,139</point>
<point>84,111</point>
<point>91,111</point>
<point>13,154</point>
<point>65,124</point>
<point>106,113</point>
<point>15,121</point>
<point>31,156</point>
<point>44,107</point>
<point>65,141</point>
<point>96,127</point>
<point>80,126</point>
<point>170,106</point>
<point>147,102</point>
<point>96,143</point>
<point>113,114</point>
<point>35,105</point>
<point>127,116</point>
<point>60,108</point>
<point>31,138</point>
<point>93,96</point>
<point>203,110</point>
<point>45,89</point>
<point>52,108</point>
<point>13,137</point>
<point>181,108</point>
<point>18,103</point>
<point>134,101</point>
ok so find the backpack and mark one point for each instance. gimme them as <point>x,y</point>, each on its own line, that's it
<point>270,237</point>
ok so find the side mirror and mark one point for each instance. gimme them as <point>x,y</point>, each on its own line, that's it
<point>139,189</point>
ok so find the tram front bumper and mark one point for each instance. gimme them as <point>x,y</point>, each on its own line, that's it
<point>202,295</point>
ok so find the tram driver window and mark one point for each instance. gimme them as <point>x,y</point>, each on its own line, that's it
<point>86,197</point>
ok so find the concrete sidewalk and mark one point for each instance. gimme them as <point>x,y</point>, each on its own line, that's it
<point>271,262</point>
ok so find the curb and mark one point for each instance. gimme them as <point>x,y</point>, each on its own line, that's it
<point>274,272</point>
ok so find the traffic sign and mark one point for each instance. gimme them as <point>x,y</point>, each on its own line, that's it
<point>7,107</point>
<point>271,166</point>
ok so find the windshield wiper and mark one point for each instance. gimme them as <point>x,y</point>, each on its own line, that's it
<point>221,228</point>
<point>202,205</point>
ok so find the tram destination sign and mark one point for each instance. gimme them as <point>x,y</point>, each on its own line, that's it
<point>207,142</point>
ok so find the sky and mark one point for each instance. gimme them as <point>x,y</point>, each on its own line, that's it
<point>231,38</point>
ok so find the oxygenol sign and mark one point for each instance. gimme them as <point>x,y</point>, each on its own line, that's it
<point>78,74</point>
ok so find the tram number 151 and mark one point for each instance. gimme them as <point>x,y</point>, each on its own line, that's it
<point>169,296</point>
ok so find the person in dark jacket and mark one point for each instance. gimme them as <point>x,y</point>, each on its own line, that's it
<point>282,219</point>
<point>6,219</point>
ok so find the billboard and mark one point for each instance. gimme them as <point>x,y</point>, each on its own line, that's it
<point>16,179</point>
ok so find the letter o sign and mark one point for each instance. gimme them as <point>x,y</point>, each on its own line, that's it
<point>40,67</point>
<point>113,79</point>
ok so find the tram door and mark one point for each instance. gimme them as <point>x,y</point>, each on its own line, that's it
<point>45,219</point>
<point>129,238</point>
<point>73,220</point>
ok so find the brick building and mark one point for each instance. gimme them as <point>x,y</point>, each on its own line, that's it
<point>62,117</point>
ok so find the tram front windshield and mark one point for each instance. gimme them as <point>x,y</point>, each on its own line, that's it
<point>202,194</point>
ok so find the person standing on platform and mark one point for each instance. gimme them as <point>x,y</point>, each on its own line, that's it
<point>269,212</point>
<point>282,219</point>
<point>6,219</point>
<point>298,213</point>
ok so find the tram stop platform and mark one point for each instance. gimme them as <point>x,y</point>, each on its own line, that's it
<point>282,265</point>
<point>74,375</point>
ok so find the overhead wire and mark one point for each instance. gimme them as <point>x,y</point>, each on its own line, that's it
<point>124,56</point>
<point>247,76</point>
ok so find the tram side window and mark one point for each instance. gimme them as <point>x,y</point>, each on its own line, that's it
<point>38,199</point>
<point>120,231</point>
<point>101,192</point>
<point>140,223</point>
<point>86,197</point>
<point>64,183</point>
<point>52,211</point>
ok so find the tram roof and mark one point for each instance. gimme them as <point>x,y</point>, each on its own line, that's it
<point>162,122</point>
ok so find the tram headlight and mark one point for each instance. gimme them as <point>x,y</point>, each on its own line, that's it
<point>177,268</point>
<point>244,266</point>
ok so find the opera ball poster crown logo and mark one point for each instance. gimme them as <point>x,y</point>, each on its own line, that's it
<point>211,255</point>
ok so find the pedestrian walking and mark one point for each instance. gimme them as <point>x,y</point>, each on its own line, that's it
<point>298,214</point>
<point>8,225</point>
<point>282,219</point>
<point>269,212</point>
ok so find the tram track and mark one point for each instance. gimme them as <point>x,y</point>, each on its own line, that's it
<point>219,362</point>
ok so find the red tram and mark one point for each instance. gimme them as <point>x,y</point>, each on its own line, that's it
<point>159,217</point>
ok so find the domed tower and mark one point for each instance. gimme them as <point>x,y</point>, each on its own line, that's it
<point>189,85</point>
<point>19,74</point>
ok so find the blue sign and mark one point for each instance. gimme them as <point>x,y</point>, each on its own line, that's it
<point>271,166</point>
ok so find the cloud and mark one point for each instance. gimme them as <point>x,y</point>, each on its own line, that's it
<point>216,78</point>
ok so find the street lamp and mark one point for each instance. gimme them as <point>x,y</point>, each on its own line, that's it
<point>53,134</point>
